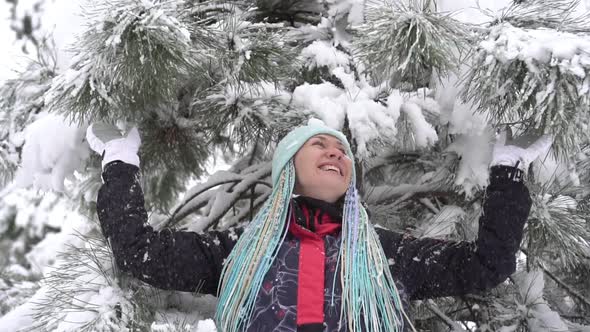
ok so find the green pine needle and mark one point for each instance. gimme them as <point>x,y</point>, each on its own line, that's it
<point>244,114</point>
<point>131,57</point>
<point>256,53</point>
<point>557,231</point>
<point>405,43</point>
<point>537,96</point>
<point>75,286</point>
<point>547,14</point>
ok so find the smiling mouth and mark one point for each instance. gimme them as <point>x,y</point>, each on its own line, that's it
<point>330,168</point>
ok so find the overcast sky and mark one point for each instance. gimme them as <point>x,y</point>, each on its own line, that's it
<point>63,21</point>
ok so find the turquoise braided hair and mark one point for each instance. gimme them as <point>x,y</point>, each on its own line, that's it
<point>252,257</point>
<point>370,299</point>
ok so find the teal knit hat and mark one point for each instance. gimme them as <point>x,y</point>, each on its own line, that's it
<point>294,140</point>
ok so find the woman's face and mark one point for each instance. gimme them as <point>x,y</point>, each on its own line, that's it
<point>323,170</point>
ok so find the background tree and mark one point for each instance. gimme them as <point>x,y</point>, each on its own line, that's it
<point>418,92</point>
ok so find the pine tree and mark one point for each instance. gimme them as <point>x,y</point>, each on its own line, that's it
<point>418,93</point>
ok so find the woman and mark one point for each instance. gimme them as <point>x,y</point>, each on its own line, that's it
<point>313,261</point>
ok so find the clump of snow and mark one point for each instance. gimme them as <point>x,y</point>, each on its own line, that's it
<point>369,120</point>
<point>473,141</point>
<point>475,152</point>
<point>53,150</point>
<point>352,9</point>
<point>43,255</point>
<point>322,53</point>
<point>536,310</point>
<point>207,325</point>
<point>424,132</point>
<point>323,100</point>
<point>46,212</point>
<point>568,51</point>
<point>22,316</point>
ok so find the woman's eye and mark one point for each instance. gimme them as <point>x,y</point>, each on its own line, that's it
<point>320,143</point>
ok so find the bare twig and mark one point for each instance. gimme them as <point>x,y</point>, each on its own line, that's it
<point>560,282</point>
<point>172,220</point>
<point>426,202</point>
<point>452,324</point>
<point>567,287</point>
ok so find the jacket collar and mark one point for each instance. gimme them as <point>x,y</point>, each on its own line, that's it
<point>310,214</point>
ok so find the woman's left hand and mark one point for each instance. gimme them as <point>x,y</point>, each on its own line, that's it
<point>520,152</point>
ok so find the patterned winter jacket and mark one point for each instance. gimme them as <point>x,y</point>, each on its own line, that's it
<point>296,294</point>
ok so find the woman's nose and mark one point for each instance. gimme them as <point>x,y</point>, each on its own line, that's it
<point>335,153</point>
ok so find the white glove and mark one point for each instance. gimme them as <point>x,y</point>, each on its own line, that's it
<point>108,141</point>
<point>520,152</point>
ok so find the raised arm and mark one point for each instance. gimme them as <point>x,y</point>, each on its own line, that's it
<point>431,268</point>
<point>167,259</point>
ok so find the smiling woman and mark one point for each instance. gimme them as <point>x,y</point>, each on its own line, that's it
<point>312,261</point>
<point>322,169</point>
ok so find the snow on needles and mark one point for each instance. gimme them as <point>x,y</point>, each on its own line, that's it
<point>535,309</point>
<point>369,118</point>
<point>321,53</point>
<point>353,9</point>
<point>540,46</point>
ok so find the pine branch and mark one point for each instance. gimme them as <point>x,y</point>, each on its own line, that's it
<point>564,285</point>
<point>440,183</point>
<point>176,216</point>
<point>207,13</point>
<point>21,99</point>
<point>542,91</point>
<point>130,59</point>
<point>221,200</point>
<point>546,14</point>
<point>408,42</point>
<point>450,323</point>
<point>74,287</point>
<point>255,53</point>
<point>557,228</point>
<point>237,115</point>
<point>173,142</point>
<point>291,11</point>
<point>244,213</point>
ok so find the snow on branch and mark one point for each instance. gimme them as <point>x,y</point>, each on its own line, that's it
<point>408,40</point>
<point>244,113</point>
<point>21,99</point>
<point>254,52</point>
<point>129,59</point>
<point>82,293</point>
<point>534,309</point>
<point>216,203</point>
<point>548,14</point>
<point>52,151</point>
<point>536,79</point>
<point>558,225</point>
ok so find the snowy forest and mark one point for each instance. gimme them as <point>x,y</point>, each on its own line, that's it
<point>419,87</point>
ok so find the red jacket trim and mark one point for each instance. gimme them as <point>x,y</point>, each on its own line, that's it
<point>312,263</point>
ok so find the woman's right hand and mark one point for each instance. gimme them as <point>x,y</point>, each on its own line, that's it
<point>108,141</point>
